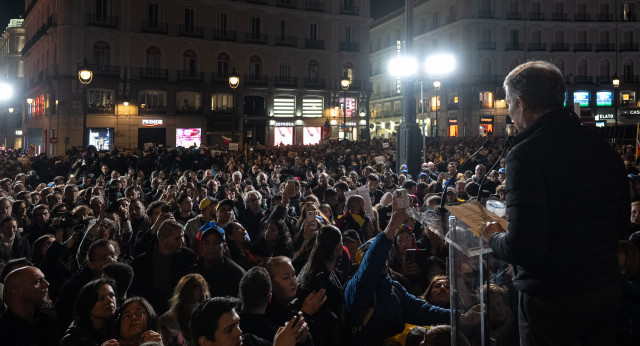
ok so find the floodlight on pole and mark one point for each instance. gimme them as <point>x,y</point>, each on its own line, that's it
<point>440,64</point>
<point>6,91</point>
<point>403,66</point>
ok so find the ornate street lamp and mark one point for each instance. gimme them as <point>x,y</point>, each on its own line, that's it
<point>85,76</point>
<point>345,82</point>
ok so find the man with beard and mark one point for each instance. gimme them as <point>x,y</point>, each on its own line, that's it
<point>25,322</point>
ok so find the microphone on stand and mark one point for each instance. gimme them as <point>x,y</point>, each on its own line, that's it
<point>463,167</point>
<point>507,145</point>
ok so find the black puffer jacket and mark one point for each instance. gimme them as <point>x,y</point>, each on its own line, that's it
<point>568,203</point>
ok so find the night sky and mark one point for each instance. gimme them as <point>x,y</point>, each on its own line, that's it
<point>10,9</point>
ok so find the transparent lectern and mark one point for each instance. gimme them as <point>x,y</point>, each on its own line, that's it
<point>468,273</point>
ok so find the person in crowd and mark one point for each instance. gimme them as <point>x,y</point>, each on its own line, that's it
<point>437,293</point>
<point>250,218</point>
<point>100,253</point>
<point>94,309</point>
<point>207,209</point>
<point>354,218</point>
<point>226,212</point>
<point>274,241</point>
<point>634,224</point>
<point>191,290</point>
<point>222,273</point>
<point>407,260</point>
<point>50,256</point>
<point>215,322</point>
<point>12,243</point>
<point>284,292</point>
<point>136,323</point>
<point>440,335</point>
<point>146,239</point>
<point>184,212</point>
<point>41,220</point>
<point>255,294</point>
<point>122,274</point>
<point>319,273</point>
<point>239,245</point>
<point>306,229</point>
<point>373,183</point>
<point>566,253</point>
<point>158,270</point>
<point>25,322</point>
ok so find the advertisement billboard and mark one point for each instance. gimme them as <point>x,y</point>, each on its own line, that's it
<point>188,137</point>
<point>283,136</point>
<point>312,135</point>
<point>581,97</point>
<point>604,98</point>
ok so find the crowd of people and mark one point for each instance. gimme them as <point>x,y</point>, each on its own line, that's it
<point>281,245</point>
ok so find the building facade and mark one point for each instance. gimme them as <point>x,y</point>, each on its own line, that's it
<point>11,73</point>
<point>590,41</point>
<point>161,68</point>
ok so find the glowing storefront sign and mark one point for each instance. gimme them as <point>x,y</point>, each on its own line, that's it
<point>283,136</point>
<point>311,135</point>
<point>152,122</point>
<point>188,137</point>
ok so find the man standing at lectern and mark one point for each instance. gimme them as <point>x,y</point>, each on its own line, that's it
<point>564,251</point>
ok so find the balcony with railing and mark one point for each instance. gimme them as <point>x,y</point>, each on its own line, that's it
<point>190,76</point>
<point>349,10</point>
<point>604,79</point>
<point>583,47</point>
<point>559,16</point>
<point>154,73</point>
<point>191,31</point>
<point>286,3</point>
<point>222,110</point>
<point>281,81</point>
<point>105,70</point>
<point>188,109</point>
<point>513,15</point>
<point>314,83</point>
<point>102,21</point>
<point>154,27</point>
<point>44,28</point>
<point>630,79</point>
<point>225,35</point>
<point>605,17</point>
<point>559,47</point>
<point>582,17</point>
<point>537,46</point>
<point>487,45</point>
<point>536,16</point>
<point>583,79</point>
<point>510,46</point>
<point>217,77</point>
<point>255,38</point>
<point>605,47</point>
<point>628,47</point>
<point>313,44</point>
<point>286,41</point>
<point>315,6</point>
<point>152,109</point>
<point>486,14</point>
<point>93,108</point>
<point>349,46</point>
<point>253,79</point>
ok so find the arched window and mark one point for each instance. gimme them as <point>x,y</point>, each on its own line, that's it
<point>627,70</point>
<point>223,65</point>
<point>604,68</point>
<point>582,68</point>
<point>101,53</point>
<point>189,58</point>
<point>285,68</point>
<point>348,68</point>
<point>153,58</point>
<point>255,67</point>
<point>486,67</point>
<point>313,70</point>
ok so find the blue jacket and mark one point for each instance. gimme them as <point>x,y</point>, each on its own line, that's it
<point>394,306</point>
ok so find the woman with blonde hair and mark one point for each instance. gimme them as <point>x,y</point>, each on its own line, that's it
<point>173,325</point>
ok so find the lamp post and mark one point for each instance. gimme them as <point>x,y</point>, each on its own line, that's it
<point>345,82</point>
<point>85,76</point>
<point>616,84</point>
<point>234,82</point>
<point>436,87</point>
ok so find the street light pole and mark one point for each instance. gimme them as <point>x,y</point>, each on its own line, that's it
<point>436,87</point>
<point>85,75</point>
<point>345,82</point>
<point>234,82</point>
<point>424,125</point>
<point>616,84</point>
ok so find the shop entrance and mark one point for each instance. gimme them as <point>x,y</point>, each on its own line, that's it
<point>153,135</point>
